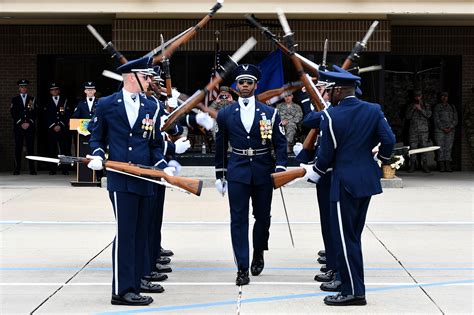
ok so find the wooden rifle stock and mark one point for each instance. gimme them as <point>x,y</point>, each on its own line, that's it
<point>287,88</point>
<point>282,178</point>
<point>310,140</point>
<point>191,185</point>
<point>186,37</point>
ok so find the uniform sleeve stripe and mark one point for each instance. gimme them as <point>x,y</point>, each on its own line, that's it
<point>330,128</point>
<point>319,171</point>
<point>162,160</point>
<point>98,149</point>
<point>221,170</point>
<point>166,147</point>
<point>281,166</point>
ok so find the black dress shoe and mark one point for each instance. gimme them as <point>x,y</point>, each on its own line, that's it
<point>16,172</point>
<point>326,277</point>
<point>333,286</point>
<point>131,298</point>
<point>322,253</point>
<point>166,252</point>
<point>52,172</point>
<point>155,276</point>
<point>321,260</point>
<point>324,268</point>
<point>163,260</point>
<point>33,173</point>
<point>147,286</point>
<point>65,172</point>
<point>343,300</point>
<point>242,277</point>
<point>257,263</point>
<point>163,269</point>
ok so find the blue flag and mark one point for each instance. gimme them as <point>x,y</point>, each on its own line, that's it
<point>272,73</point>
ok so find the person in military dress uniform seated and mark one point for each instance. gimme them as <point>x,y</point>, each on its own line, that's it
<point>23,110</point>
<point>125,123</point>
<point>85,108</point>
<point>252,129</point>
<point>57,117</point>
<point>350,130</point>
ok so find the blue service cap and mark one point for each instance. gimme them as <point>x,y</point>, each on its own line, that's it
<point>89,85</point>
<point>339,76</point>
<point>141,65</point>
<point>53,85</point>
<point>247,71</point>
<point>22,82</point>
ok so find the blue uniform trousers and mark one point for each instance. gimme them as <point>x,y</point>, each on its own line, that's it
<point>156,222</point>
<point>132,215</point>
<point>239,196</point>
<point>323,190</point>
<point>347,222</point>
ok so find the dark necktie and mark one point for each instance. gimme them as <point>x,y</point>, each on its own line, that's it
<point>134,97</point>
<point>90,99</point>
<point>56,98</point>
<point>245,101</point>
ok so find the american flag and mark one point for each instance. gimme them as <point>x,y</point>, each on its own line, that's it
<point>212,95</point>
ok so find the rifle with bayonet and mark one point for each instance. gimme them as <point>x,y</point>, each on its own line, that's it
<point>199,95</point>
<point>144,172</point>
<point>359,47</point>
<point>109,47</point>
<point>189,34</point>
<point>307,64</point>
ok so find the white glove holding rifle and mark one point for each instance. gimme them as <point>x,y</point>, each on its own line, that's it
<point>95,162</point>
<point>310,175</point>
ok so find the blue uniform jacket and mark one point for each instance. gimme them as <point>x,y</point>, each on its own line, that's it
<point>82,109</point>
<point>248,169</point>
<point>350,131</point>
<point>111,129</point>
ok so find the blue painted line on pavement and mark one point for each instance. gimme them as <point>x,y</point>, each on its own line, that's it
<point>274,298</point>
<point>229,268</point>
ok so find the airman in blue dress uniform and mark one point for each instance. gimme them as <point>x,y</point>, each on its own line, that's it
<point>252,129</point>
<point>125,122</point>
<point>85,108</point>
<point>57,116</point>
<point>23,110</point>
<point>349,132</point>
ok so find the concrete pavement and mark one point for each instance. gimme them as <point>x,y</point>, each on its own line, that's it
<point>56,253</point>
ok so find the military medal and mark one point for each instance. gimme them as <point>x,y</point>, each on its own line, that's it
<point>147,125</point>
<point>265,129</point>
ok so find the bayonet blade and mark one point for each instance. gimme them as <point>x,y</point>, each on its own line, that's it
<point>112,75</point>
<point>43,159</point>
<point>163,52</point>
<point>369,33</point>
<point>158,49</point>
<point>96,34</point>
<point>325,53</point>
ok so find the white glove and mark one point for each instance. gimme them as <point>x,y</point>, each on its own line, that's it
<point>95,162</point>
<point>205,120</point>
<point>310,173</point>
<point>169,170</point>
<point>181,145</point>
<point>172,102</point>
<point>176,165</point>
<point>297,148</point>
<point>175,94</point>
<point>221,187</point>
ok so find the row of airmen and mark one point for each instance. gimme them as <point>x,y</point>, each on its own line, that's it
<point>56,112</point>
<point>126,125</point>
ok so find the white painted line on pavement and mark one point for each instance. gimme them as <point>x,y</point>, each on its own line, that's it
<point>218,284</point>
<point>227,222</point>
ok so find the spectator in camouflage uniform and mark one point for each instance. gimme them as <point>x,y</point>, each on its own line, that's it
<point>223,99</point>
<point>445,119</point>
<point>418,114</point>
<point>291,115</point>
